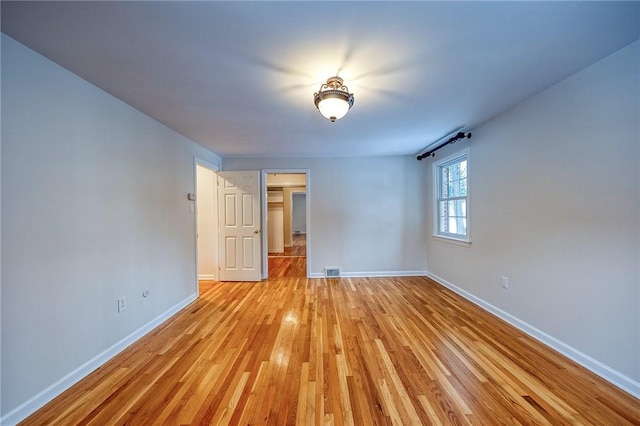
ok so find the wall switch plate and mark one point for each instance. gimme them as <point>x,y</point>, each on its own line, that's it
<point>122,304</point>
<point>505,282</point>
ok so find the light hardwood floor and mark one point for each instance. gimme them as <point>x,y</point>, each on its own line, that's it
<point>360,351</point>
<point>293,262</point>
<point>298,247</point>
<point>287,267</point>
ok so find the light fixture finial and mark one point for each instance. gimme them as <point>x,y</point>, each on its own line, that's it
<point>333,100</point>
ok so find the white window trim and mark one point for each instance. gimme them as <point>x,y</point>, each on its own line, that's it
<point>436,190</point>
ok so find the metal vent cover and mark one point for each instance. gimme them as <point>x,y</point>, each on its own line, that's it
<point>332,272</point>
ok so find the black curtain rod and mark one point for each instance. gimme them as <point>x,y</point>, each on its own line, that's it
<point>457,137</point>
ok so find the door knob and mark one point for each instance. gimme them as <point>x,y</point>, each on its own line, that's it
<point>257,231</point>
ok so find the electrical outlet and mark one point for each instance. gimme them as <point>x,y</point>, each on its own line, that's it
<point>505,282</point>
<point>122,304</point>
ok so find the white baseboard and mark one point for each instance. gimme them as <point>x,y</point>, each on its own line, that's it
<point>29,407</point>
<point>609,374</point>
<point>373,274</point>
<point>207,277</point>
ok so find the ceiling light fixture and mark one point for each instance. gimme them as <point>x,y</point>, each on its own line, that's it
<point>333,100</point>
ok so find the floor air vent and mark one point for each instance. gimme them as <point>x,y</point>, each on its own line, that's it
<point>332,272</point>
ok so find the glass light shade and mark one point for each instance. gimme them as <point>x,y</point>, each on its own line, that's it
<point>333,100</point>
<point>333,108</point>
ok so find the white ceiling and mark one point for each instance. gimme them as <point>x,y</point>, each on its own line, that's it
<point>239,77</point>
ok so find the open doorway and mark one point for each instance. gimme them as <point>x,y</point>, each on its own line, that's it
<point>286,236</point>
<point>206,225</point>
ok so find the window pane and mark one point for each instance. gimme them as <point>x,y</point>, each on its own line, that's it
<point>453,189</point>
<point>453,228</point>
<point>460,207</point>
<point>458,188</point>
<point>456,171</point>
<point>444,174</point>
<point>444,219</point>
<point>453,180</point>
<point>453,217</point>
<point>463,169</point>
<point>455,208</point>
<point>461,225</point>
<point>453,172</point>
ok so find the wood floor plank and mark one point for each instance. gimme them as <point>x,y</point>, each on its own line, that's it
<point>361,351</point>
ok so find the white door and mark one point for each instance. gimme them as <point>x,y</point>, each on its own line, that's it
<point>239,215</point>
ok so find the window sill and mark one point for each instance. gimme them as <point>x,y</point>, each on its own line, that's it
<point>463,243</point>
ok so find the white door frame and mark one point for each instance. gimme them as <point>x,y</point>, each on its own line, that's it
<point>215,169</point>
<point>265,236</point>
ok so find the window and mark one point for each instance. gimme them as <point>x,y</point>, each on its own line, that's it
<point>451,193</point>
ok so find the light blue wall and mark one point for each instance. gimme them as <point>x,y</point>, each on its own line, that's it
<point>366,213</point>
<point>555,205</point>
<point>299,213</point>
<point>94,207</point>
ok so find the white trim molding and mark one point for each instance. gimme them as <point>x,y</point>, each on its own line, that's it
<point>207,277</point>
<point>29,407</point>
<point>609,374</point>
<point>373,274</point>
